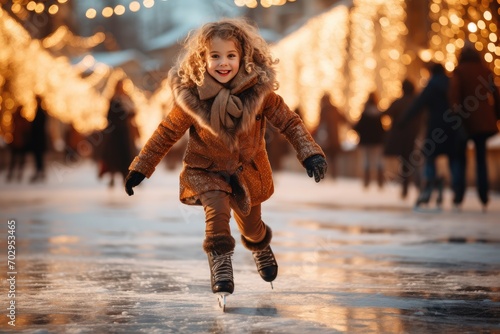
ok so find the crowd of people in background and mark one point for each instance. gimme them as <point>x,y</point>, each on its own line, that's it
<point>439,136</point>
<point>447,114</point>
<point>28,138</point>
<point>111,148</point>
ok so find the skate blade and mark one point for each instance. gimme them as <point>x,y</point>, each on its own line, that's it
<point>221,297</point>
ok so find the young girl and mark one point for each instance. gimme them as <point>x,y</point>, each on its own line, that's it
<point>223,92</point>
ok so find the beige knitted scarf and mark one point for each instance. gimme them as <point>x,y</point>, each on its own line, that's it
<point>227,108</point>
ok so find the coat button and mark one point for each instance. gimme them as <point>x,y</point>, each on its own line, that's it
<point>258,117</point>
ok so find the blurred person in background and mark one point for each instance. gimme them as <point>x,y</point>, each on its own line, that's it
<point>38,140</point>
<point>371,139</point>
<point>277,147</point>
<point>327,134</point>
<point>118,146</point>
<point>440,136</point>
<point>400,140</point>
<point>19,146</point>
<point>471,90</point>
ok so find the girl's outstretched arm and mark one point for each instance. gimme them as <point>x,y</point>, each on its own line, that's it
<point>169,131</point>
<point>291,126</point>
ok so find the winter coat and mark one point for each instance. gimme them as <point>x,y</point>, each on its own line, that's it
<point>326,133</point>
<point>369,127</point>
<point>118,148</point>
<point>469,89</point>
<point>21,132</point>
<point>230,158</point>
<point>400,140</point>
<point>38,137</point>
<point>440,134</point>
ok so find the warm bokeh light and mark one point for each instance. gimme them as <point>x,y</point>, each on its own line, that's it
<point>91,13</point>
<point>148,3</point>
<point>107,12</point>
<point>53,9</point>
<point>487,15</point>
<point>31,6</point>
<point>119,10</point>
<point>348,64</point>
<point>134,6</point>
<point>469,20</point>
<point>27,68</point>
<point>39,8</point>
<point>303,76</point>
<point>72,93</point>
<point>263,3</point>
<point>64,37</point>
<point>472,27</point>
<point>16,8</point>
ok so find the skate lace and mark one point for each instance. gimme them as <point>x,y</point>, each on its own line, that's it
<point>222,268</point>
<point>264,258</point>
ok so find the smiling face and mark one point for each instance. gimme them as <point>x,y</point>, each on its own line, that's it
<point>223,59</point>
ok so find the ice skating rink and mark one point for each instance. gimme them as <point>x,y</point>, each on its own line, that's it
<point>90,259</point>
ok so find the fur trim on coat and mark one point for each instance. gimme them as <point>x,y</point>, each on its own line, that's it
<point>218,243</point>
<point>258,246</point>
<point>251,93</point>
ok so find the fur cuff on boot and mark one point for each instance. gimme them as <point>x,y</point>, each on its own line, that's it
<point>257,246</point>
<point>219,243</point>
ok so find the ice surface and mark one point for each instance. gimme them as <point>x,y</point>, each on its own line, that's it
<point>93,260</point>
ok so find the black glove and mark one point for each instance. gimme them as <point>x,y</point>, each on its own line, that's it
<point>316,165</point>
<point>133,179</point>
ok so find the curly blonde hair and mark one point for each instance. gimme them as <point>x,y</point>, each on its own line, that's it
<point>254,51</point>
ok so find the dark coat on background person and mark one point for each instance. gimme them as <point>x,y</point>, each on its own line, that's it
<point>230,159</point>
<point>118,147</point>
<point>400,140</point>
<point>327,133</point>
<point>474,114</point>
<point>21,132</point>
<point>440,135</point>
<point>369,127</point>
<point>277,147</point>
<point>19,146</point>
<point>39,140</point>
<point>472,80</point>
<point>38,137</point>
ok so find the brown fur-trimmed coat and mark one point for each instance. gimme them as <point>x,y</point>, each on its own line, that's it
<point>234,161</point>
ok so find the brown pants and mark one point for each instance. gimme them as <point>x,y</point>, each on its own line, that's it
<point>218,213</point>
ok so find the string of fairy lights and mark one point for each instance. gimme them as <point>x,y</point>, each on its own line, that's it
<point>28,68</point>
<point>263,3</point>
<point>456,22</point>
<point>366,53</point>
<point>20,6</point>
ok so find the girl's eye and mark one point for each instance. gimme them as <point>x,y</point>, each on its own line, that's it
<point>214,56</point>
<point>232,56</point>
